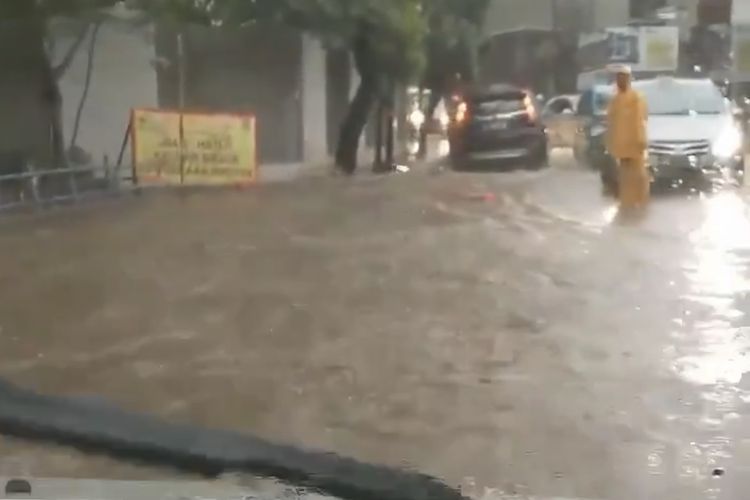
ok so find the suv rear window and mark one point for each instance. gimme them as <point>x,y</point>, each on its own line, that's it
<point>499,103</point>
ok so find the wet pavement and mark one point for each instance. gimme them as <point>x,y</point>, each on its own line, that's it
<point>503,331</point>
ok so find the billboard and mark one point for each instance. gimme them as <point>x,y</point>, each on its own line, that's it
<point>740,12</point>
<point>741,51</point>
<point>659,48</point>
<point>170,147</point>
<point>644,48</point>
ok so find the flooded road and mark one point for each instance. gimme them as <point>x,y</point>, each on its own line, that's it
<point>505,332</point>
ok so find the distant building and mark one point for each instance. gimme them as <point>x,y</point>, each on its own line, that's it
<point>533,42</point>
<point>563,15</point>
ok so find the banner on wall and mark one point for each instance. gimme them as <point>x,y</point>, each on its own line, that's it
<point>171,147</point>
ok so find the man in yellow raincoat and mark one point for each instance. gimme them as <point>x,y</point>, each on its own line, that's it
<point>627,141</point>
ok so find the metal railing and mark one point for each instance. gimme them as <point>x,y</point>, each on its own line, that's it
<point>39,188</point>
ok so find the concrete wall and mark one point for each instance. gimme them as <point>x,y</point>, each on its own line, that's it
<point>273,72</point>
<point>314,101</point>
<point>254,70</point>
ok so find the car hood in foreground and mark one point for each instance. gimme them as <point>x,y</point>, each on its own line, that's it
<point>687,128</point>
<point>236,487</point>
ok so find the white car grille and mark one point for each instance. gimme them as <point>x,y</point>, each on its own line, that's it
<point>679,148</point>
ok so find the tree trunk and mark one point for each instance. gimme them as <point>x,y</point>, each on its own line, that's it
<point>390,150</point>
<point>353,126</point>
<point>32,123</point>
<point>53,101</point>
<point>86,85</point>
<point>360,107</point>
<point>70,55</point>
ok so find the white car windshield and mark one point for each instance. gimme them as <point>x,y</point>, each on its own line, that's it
<point>682,98</point>
<point>669,97</point>
<point>602,96</point>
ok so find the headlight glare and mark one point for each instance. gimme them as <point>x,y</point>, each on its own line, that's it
<point>416,118</point>
<point>727,144</point>
<point>597,130</point>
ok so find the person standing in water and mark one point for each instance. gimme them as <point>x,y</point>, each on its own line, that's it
<point>627,141</point>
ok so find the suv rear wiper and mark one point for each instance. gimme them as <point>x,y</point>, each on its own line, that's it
<point>93,427</point>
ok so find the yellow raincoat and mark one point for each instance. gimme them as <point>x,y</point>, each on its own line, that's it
<point>627,143</point>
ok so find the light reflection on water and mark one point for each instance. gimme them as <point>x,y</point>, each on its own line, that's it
<point>715,333</point>
<point>444,148</point>
<point>475,388</point>
<point>609,214</point>
<point>714,274</point>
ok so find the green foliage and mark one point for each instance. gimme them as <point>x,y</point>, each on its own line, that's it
<point>404,36</point>
<point>10,9</point>
<point>393,29</point>
<point>397,32</point>
<point>454,33</point>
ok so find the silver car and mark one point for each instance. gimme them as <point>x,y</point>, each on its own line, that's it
<point>559,117</point>
<point>693,136</point>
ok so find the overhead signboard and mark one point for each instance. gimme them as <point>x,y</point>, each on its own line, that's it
<point>660,48</point>
<point>740,12</point>
<point>645,48</point>
<point>741,51</point>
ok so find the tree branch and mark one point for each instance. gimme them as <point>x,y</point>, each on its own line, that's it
<point>59,70</point>
<point>86,85</point>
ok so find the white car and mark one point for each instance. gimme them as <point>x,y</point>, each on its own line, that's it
<point>559,117</point>
<point>693,135</point>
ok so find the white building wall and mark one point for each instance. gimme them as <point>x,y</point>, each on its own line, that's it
<point>611,13</point>
<point>123,78</point>
<point>741,11</point>
<point>314,101</point>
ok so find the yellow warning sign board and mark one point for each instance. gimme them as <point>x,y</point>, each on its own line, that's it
<point>170,147</point>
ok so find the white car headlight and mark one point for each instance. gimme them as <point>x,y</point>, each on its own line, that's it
<point>728,143</point>
<point>416,118</point>
<point>597,130</point>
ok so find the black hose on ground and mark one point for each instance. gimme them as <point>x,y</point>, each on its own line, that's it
<point>96,428</point>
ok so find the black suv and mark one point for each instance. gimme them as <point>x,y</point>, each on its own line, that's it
<point>497,125</point>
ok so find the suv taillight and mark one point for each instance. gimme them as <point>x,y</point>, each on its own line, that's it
<point>528,119</point>
<point>461,112</point>
<point>531,116</point>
